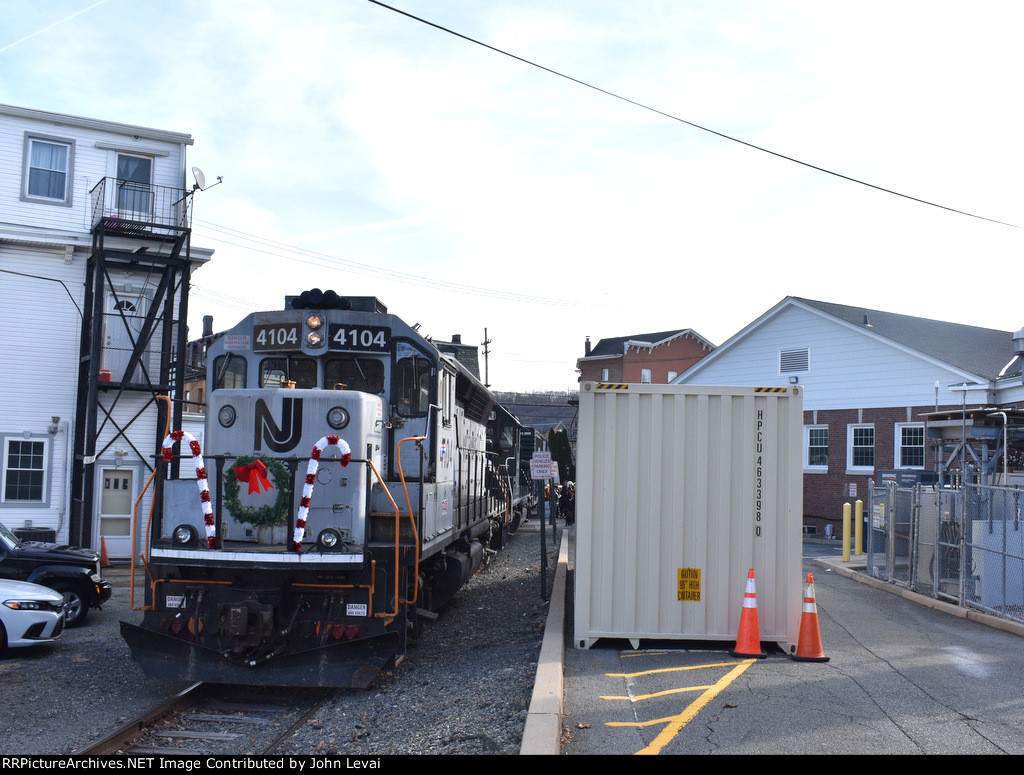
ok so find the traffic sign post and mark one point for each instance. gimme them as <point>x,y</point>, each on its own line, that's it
<point>543,468</point>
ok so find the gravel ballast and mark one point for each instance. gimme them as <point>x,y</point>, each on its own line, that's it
<point>464,687</point>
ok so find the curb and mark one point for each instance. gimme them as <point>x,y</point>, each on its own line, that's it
<point>542,734</point>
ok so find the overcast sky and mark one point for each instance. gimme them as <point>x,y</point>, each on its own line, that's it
<point>370,153</point>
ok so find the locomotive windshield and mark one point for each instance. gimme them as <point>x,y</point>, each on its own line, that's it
<point>354,373</point>
<point>274,372</point>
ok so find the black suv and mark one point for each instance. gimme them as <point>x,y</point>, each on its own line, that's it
<point>70,570</point>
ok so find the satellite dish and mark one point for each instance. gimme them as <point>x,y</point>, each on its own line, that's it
<point>200,178</point>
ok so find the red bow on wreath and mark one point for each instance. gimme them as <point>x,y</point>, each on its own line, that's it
<point>255,473</point>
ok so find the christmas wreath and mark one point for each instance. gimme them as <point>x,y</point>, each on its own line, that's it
<point>250,469</point>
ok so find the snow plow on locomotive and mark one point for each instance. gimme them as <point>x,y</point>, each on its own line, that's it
<point>372,497</point>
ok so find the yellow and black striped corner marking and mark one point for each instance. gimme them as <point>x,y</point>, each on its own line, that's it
<point>770,389</point>
<point>611,386</point>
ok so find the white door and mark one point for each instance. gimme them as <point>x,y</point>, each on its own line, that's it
<point>134,187</point>
<point>116,500</point>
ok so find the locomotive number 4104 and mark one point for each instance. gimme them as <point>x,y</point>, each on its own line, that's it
<point>372,338</point>
<point>287,336</point>
<point>279,337</point>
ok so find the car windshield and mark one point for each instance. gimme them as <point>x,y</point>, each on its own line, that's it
<point>9,539</point>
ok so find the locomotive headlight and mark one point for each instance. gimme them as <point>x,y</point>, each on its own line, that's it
<point>226,416</point>
<point>314,338</point>
<point>328,540</point>
<point>185,535</point>
<point>314,321</point>
<point>337,418</point>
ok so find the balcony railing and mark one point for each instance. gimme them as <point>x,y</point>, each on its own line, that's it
<point>124,207</point>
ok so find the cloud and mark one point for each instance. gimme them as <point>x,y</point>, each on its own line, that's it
<point>348,130</point>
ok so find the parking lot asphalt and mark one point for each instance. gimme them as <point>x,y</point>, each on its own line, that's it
<point>576,678</point>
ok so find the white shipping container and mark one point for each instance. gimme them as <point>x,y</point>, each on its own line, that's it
<point>681,490</point>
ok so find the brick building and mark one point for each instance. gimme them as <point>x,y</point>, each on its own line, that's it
<point>653,358</point>
<point>870,379</point>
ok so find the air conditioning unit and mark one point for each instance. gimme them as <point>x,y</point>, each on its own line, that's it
<point>44,534</point>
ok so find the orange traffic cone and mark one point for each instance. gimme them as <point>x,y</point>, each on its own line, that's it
<point>104,559</point>
<point>808,647</point>
<point>748,641</point>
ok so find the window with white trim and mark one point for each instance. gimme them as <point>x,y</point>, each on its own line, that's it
<point>816,448</point>
<point>645,376</point>
<point>604,375</point>
<point>48,169</point>
<point>909,451</point>
<point>860,448</point>
<point>24,472</point>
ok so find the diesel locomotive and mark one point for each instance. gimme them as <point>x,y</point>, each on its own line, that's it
<point>352,475</point>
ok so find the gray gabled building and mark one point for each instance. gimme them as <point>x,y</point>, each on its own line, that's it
<point>870,381</point>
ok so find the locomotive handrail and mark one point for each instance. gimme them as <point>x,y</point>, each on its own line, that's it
<point>412,521</point>
<point>149,520</point>
<point>398,517</point>
<point>370,588</point>
<point>506,493</point>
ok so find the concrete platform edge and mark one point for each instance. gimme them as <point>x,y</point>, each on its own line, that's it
<point>542,734</point>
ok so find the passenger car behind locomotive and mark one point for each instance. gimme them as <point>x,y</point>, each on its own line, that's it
<point>376,446</point>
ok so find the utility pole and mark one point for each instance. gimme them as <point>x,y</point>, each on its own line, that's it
<point>487,352</point>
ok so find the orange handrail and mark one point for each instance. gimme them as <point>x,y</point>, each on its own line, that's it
<point>398,516</point>
<point>412,522</point>
<point>370,588</point>
<point>149,521</point>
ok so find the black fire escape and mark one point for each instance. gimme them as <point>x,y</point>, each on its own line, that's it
<point>140,235</point>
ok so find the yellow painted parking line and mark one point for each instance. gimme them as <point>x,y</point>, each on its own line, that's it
<point>674,724</point>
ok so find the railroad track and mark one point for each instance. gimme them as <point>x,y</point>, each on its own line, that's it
<point>212,720</point>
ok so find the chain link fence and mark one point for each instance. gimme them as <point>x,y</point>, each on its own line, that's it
<point>964,546</point>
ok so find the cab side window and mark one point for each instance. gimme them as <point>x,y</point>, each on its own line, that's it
<point>412,386</point>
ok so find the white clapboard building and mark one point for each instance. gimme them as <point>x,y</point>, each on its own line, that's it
<point>95,260</point>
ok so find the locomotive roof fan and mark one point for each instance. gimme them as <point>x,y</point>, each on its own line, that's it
<point>317,299</point>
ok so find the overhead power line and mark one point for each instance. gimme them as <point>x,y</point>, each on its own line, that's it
<point>50,27</point>
<point>681,120</point>
<point>306,256</point>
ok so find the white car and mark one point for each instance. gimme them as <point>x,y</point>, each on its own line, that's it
<point>29,614</point>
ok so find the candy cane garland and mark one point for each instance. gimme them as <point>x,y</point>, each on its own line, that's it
<point>201,480</point>
<point>307,488</point>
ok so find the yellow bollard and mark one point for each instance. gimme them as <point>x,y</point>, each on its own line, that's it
<point>858,529</point>
<point>846,532</point>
